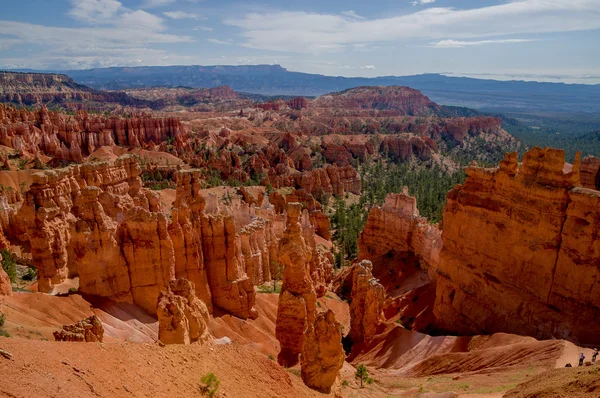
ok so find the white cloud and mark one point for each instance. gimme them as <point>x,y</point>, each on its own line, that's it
<point>95,11</point>
<point>462,43</point>
<point>367,67</point>
<point>114,35</point>
<point>217,41</point>
<point>315,33</point>
<point>352,14</point>
<point>180,15</point>
<point>422,2</point>
<point>203,28</point>
<point>156,3</point>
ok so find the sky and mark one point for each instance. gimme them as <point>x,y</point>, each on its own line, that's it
<point>544,40</point>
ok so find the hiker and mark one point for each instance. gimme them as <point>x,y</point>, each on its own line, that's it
<point>595,355</point>
<point>581,358</point>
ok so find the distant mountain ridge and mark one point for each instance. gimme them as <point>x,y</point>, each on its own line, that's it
<point>275,80</point>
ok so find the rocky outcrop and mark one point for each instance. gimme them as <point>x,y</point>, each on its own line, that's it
<point>397,227</point>
<point>5,287</point>
<point>402,100</point>
<point>297,302</point>
<point>520,251</point>
<point>89,330</point>
<point>329,180</point>
<point>186,234</point>
<point>182,316</point>
<point>407,146</point>
<point>231,288</point>
<point>366,308</point>
<point>322,353</point>
<point>590,172</point>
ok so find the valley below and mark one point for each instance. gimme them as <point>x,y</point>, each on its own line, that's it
<point>177,241</point>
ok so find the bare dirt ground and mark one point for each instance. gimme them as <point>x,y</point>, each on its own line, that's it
<point>64,369</point>
<point>402,363</point>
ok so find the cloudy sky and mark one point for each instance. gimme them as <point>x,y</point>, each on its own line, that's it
<point>550,40</point>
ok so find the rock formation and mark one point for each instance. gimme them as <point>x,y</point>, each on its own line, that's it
<point>182,316</point>
<point>45,88</point>
<point>330,180</point>
<point>367,303</point>
<point>70,138</point>
<point>590,172</point>
<point>520,251</point>
<point>402,100</point>
<point>232,290</point>
<point>398,227</point>
<point>322,353</point>
<point>89,330</point>
<point>5,287</point>
<point>297,301</point>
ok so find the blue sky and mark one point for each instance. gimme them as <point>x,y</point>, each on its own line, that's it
<point>550,40</point>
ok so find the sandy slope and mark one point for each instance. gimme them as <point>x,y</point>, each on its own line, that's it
<point>62,369</point>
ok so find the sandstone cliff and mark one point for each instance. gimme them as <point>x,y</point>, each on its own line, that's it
<point>398,227</point>
<point>520,251</point>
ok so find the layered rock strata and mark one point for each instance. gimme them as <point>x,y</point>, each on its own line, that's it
<point>521,252</point>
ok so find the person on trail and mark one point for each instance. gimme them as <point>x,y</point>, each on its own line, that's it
<point>581,358</point>
<point>595,355</point>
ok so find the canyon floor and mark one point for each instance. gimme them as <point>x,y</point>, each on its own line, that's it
<point>131,363</point>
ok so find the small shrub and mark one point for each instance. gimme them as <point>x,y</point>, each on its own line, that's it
<point>345,383</point>
<point>2,320</point>
<point>73,290</point>
<point>271,357</point>
<point>361,374</point>
<point>210,384</point>
<point>369,380</point>
<point>9,264</point>
<point>4,333</point>
<point>295,371</point>
<point>31,274</point>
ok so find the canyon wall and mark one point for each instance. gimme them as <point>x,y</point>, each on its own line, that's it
<point>397,227</point>
<point>520,251</point>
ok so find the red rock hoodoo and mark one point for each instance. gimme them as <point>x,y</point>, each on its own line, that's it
<point>182,316</point>
<point>298,300</point>
<point>322,353</point>
<point>367,303</point>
